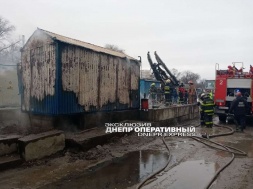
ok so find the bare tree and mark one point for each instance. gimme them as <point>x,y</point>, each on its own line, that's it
<point>114,48</point>
<point>9,47</point>
<point>189,76</point>
<point>5,30</point>
<point>176,73</point>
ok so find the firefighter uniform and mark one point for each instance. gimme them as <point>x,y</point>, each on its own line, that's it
<point>206,110</point>
<point>167,92</point>
<point>211,95</point>
<point>181,92</point>
<point>202,119</point>
<point>231,70</point>
<point>174,95</point>
<point>153,91</point>
<point>251,69</point>
<point>192,93</point>
<point>239,107</point>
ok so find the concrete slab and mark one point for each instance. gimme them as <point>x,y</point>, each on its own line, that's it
<point>10,161</point>
<point>37,146</point>
<point>90,138</point>
<point>179,112</point>
<point>8,144</point>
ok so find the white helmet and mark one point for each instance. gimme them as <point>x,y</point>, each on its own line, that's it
<point>168,81</point>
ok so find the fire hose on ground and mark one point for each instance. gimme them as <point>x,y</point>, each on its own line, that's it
<point>232,150</point>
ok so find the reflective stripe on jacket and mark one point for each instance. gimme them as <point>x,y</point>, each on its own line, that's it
<point>166,89</point>
<point>207,106</point>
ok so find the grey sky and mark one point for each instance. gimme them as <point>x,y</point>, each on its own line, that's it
<point>187,34</point>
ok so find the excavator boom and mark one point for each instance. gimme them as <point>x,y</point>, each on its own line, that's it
<point>158,72</point>
<point>174,80</point>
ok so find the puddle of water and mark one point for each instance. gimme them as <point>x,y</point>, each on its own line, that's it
<point>187,175</point>
<point>119,173</point>
<point>175,144</point>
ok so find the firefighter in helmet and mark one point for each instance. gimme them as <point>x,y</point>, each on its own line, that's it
<point>210,93</point>
<point>181,91</point>
<point>192,93</point>
<point>239,107</point>
<point>202,122</point>
<point>167,91</point>
<point>251,69</point>
<point>206,110</point>
<point>152,88</point>
<point>231,70</point>
<point>153,91</point>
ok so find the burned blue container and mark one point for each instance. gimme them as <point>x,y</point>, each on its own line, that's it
<point>63,76</point>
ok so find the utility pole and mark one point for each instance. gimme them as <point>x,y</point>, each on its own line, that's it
<point>141,66</point>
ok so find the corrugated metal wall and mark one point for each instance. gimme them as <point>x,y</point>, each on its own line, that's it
<point>60,78</point>
<point>99,82</point>
<point>135,85</point>
<point>38,75</point>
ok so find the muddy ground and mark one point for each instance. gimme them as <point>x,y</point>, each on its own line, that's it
<point>126,161</point>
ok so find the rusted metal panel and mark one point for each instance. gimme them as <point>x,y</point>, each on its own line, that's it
<point>89,73</point>
<point>80,74</point>
<point>99,81</point>
<point>107,80</point>
<point>26,79</point>
<point>123,82</point>
<point>38,69</point>
<point>135,84</point>
<point>43,71</point>
<point>135,75</point>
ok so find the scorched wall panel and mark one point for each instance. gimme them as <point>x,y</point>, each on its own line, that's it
<point>38,73</point>
<point>80,75</point>
<point>99,82</point>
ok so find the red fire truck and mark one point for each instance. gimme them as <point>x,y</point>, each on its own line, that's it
<point>227,83</point>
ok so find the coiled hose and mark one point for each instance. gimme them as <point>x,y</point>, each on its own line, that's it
<point>227,149</point>
<point>200,139</point>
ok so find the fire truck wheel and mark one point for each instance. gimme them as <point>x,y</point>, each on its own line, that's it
<point>222,118</point>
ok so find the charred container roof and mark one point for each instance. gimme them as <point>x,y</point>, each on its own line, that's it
<point>61,76</point>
